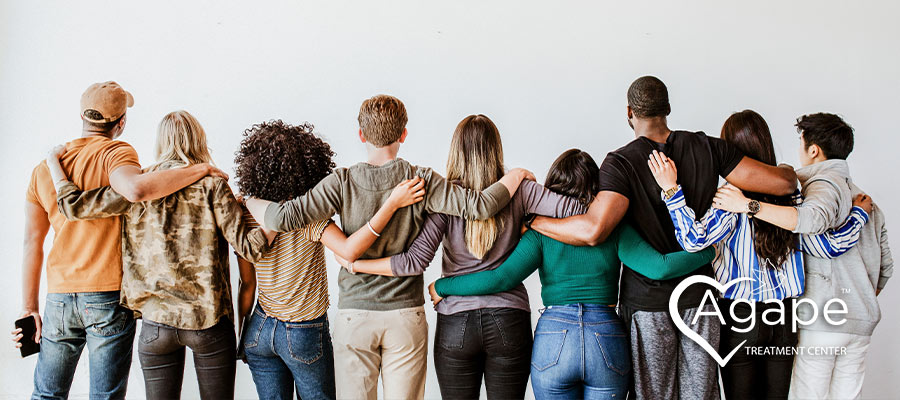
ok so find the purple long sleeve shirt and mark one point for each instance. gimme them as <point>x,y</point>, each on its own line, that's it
<point>530,198</point>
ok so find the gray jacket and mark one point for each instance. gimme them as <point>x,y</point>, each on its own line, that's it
<point>854,276</point>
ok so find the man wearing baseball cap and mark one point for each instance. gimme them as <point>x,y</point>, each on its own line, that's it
<point>84,266</point>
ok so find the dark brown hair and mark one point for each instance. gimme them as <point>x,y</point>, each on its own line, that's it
<point>748,131</point>
<point>278,161</point>
<point>574,174</point>
<point>101,127</point>
<point>829,132</point>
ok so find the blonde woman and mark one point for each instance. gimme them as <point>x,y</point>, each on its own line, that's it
<point>175,263</point>
<point>478,337</point>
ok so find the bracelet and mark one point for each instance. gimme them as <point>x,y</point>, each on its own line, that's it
<point>350,269</point>
<point>372,229</point>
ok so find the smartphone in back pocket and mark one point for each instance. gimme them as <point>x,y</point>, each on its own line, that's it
<point>29,329</point>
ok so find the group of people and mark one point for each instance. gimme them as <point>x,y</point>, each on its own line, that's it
<point>610,243</point>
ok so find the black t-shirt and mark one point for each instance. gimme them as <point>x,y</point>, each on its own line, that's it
<point>700,160</point>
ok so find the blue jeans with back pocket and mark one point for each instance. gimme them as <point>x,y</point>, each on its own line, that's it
<point>284,356</point>
<point>72,321</point>
<point>580,351</point>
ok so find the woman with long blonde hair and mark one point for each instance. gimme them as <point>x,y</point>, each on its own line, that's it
<point>479,337</point>
<point>176,263</point>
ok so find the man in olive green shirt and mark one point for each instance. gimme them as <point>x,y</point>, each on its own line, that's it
<point>381,327</point>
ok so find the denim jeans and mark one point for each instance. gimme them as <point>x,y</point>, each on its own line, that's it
<point>580,351</point>
<point>71,320</point>
<point>754,376</point>
<point>162,350</point>
<point>494,343</point>
<point>286,355</point>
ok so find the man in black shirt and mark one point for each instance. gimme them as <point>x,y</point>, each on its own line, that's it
<point>666,363</point>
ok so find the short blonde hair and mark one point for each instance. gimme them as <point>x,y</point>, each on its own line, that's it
<point>382,120</point>
<point>180,137</point>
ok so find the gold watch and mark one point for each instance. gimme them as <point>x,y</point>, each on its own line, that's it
<point>671,192</point>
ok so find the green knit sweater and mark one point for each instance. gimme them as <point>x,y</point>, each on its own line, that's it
<point>576,274</point>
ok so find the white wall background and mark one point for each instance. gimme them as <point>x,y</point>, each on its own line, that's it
<point>552,77</point>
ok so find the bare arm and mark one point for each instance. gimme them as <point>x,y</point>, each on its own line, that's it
<point>754,176</point>
<point>37,224</point>
<point>730,198</point>
<point>246,290</point>
<point>136,186</point>
<point>588,229</point>
<point>351,248</point>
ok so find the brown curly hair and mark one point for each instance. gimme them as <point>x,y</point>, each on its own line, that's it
<point>279,161</point>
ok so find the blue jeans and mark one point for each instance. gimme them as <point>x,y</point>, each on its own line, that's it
<point>287,355</point>
<point>71,320</point>
<point>580,351</point>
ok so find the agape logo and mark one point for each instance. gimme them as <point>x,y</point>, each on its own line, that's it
<point>779,313</point>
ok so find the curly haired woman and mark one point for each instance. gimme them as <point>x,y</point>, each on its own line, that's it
<point>286,340</point>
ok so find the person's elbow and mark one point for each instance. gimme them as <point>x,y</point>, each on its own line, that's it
<point>786,184</point>
<point>275,218</point>
<point>134,191</point>
<point>593,235</point>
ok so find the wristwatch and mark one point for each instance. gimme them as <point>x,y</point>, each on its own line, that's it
<point>752,207</point>
<point>529,219</point>
<point>670,192</point>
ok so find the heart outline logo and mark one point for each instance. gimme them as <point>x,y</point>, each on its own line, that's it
<point>686,330</point>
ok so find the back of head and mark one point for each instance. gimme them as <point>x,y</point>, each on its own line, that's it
<point>476,162</point>
<point>648,97</point>
<point>103,106</point>
<point>278,161</point>
<point>180,137</point>
<point>749,132</point>
<point>829,132</point>
<point>574,174</point>
<point>382,120</point>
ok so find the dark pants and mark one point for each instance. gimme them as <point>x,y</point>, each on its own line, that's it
<point>666,364</point>
<point>755,376</point>
<point>286,355</point>
<point>494,343</point>
<point>161,351</point>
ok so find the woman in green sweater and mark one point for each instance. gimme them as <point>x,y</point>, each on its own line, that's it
<point>579,333</point>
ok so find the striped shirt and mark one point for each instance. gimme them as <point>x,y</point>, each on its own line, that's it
<point>291,279</point>
<point>736,256</point>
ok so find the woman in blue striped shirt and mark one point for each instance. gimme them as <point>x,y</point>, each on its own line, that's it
<point>750,248</point>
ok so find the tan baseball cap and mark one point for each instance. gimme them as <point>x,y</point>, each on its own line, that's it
<point>104,102</point>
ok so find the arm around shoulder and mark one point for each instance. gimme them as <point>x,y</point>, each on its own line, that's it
<point>76,204</point>
<point>754,176</point>
<point>321,202</point>
<point>590,228</point>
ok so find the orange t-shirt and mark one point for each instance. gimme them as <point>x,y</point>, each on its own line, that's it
<point>86,255</point>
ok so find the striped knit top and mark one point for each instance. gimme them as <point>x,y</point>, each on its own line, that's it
<point>291,279</point>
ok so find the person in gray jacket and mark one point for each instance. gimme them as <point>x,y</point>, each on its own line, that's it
<point>832,351</point>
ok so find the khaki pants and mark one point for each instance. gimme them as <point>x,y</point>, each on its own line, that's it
<point>393,343</point>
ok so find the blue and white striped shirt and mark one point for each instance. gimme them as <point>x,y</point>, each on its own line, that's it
<point>736,256</point>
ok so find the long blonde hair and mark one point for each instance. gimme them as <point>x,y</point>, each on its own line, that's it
<point>476,162</point>
<point>180,137</point>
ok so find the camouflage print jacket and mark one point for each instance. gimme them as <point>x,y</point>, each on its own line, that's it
<point>175,249</point>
